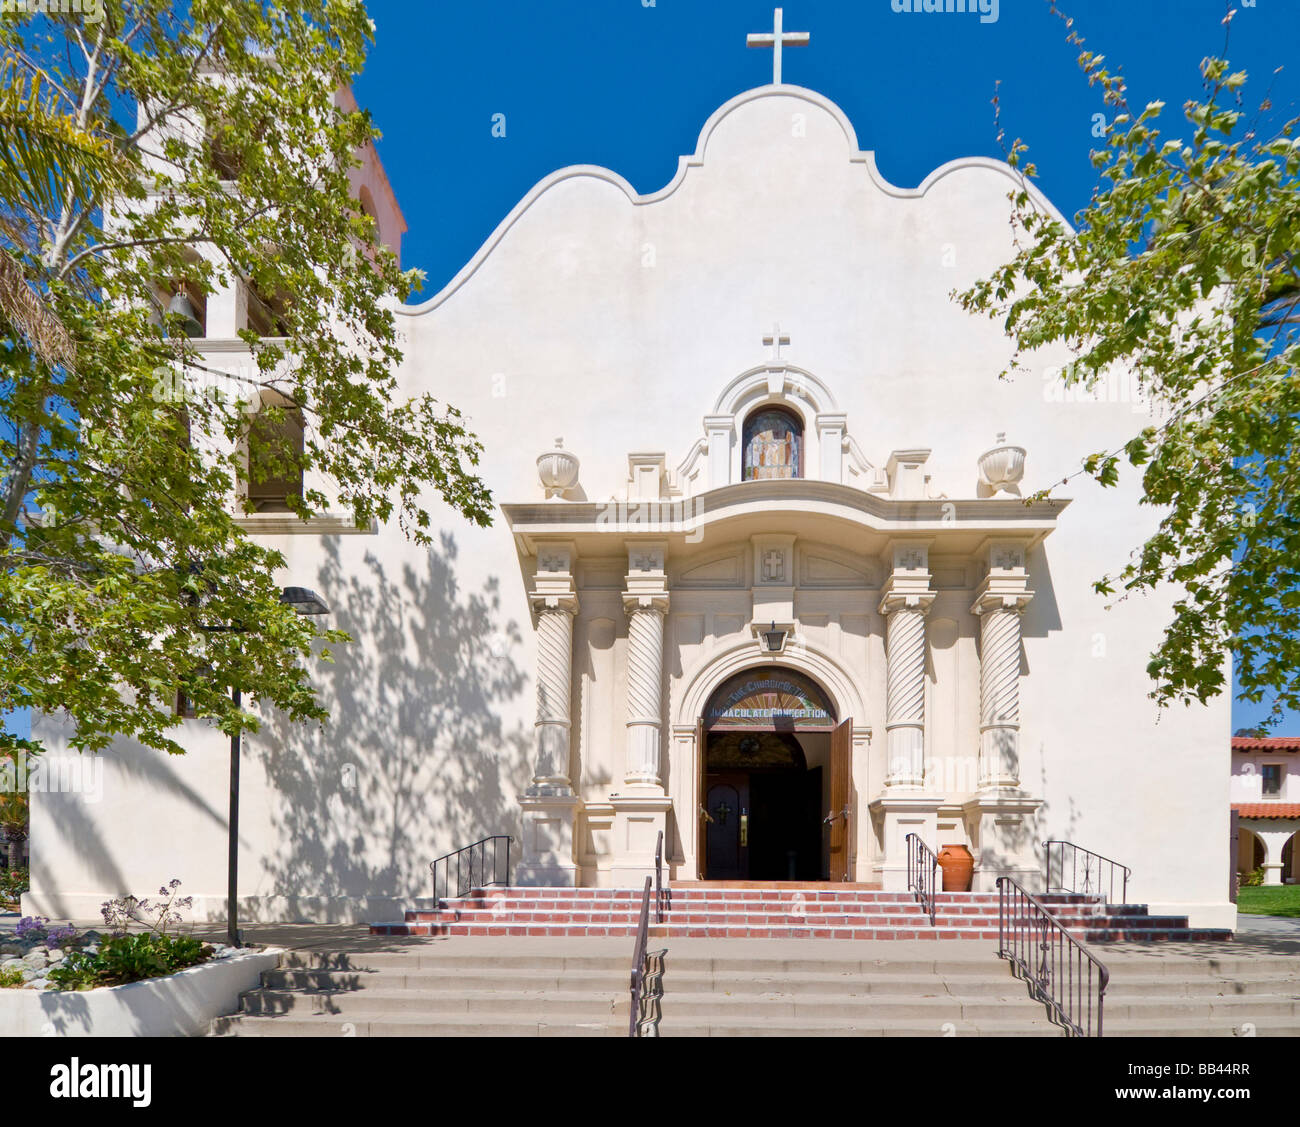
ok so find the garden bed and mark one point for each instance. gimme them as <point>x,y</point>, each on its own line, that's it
<point>178,1005</point>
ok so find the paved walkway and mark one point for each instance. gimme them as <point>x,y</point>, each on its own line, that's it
<point>1277,927</point>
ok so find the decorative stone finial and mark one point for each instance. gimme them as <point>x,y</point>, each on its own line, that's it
<point>558,470</point>
<point>1001,469</point>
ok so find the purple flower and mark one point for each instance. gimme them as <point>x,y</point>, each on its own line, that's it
<point>31,927</point>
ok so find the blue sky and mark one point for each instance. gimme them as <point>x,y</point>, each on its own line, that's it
<point>628,84</point>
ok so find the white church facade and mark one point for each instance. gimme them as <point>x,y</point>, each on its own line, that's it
<point>767,575</point>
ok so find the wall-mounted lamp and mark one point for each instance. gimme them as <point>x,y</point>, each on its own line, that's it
<point>774,639</point>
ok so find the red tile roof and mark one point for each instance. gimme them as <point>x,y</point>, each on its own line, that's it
<point>1267,809</point>
<point>1272,743</point>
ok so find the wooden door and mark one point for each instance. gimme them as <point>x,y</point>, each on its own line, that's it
<point>701,814</point>
<point>839,816</point>
<point>727,830</point>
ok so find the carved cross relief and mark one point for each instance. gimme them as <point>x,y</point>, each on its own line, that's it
<point>773,566</point>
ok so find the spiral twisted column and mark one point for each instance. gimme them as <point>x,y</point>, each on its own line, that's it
<point>645,670</point>
<point>905,703</point>
<point>554,693</point>
<point>1000,619</point>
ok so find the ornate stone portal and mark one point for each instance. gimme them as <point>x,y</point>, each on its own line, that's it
<point>770,596</point>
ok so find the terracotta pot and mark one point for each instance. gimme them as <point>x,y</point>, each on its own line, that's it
<point>958,868</point>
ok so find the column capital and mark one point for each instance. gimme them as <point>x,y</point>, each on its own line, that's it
<point>1002,593</point>
<point>567,603</point>
<point>906,593</point>
<point>645,600</point>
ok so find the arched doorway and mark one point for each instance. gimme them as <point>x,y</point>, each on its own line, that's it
<point>1250,852</point>
<point>774,780</point>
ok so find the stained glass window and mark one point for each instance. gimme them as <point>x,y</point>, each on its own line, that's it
<point>773,445</point>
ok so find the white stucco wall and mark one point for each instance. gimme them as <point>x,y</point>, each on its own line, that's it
<point>618,322</point>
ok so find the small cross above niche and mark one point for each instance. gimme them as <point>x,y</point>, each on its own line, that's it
<point>775,341</point>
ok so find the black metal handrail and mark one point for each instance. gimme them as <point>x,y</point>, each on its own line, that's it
<point>471,865</point>
<point>1060,970</point>
<point>922,871</point>
<point>1095,868</point>
<point>663,896</point>
<point>646,988</point>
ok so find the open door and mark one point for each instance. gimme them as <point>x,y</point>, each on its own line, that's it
<point>838,816</point>
<point>701,812</point>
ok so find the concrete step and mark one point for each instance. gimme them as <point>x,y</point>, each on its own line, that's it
<point>1155,986</point>
<point>856,1027</point>
<point>1233,1007</point>
<point>1221,1026</point>
<point>381,1001</point>
<point>400,1025</point>
<point>739,981</point>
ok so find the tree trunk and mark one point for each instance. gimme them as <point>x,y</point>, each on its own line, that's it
<point>15,850</point>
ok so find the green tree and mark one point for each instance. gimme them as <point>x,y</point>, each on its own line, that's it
<point>1184,270</point>
<point>204,142</point>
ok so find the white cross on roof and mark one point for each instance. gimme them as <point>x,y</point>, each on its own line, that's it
<point>777,39</point>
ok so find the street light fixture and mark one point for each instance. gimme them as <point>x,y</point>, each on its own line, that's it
<point>304,602</point>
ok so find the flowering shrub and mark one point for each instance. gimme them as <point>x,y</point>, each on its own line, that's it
<point>129,958</point>
<point>38,928</point>
<point>60,958</point>
<point>157,916</point>
<point>13,883</point>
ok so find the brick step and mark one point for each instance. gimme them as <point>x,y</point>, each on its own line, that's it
<point>789,931</point>
<point>681,893</point>
<point>665,931</point>
<point>859,918</point>
<point>781,909</point>
<point>1156,935</point>
<point>689,892</point>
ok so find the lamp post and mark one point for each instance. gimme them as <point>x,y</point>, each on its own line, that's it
<point>303,601</point>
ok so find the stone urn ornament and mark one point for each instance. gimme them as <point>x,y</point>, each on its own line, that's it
<point>1001,469</point>
<point>958,867</point>
<point>558,470</point>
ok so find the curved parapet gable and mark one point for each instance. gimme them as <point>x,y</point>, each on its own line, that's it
<point>711,127</point>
